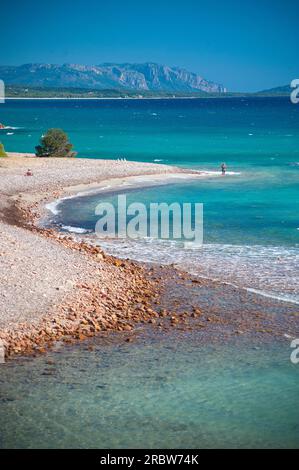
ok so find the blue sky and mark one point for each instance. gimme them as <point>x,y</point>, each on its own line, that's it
<point>246,45</point>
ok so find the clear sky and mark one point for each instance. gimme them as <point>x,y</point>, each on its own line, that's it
<point>247,45</point>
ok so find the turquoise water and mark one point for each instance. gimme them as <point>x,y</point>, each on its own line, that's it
<point>170,390</point>
<point>250,236</point>
<point>251,226</point>
<point>161,392</point>
<point>251,222</point>
<point>255,132</point>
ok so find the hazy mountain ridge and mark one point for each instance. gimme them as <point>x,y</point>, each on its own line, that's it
<point>285,89</point>
<point>143,77</point>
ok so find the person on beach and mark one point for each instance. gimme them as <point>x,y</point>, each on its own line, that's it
<point>28,172</point>
<point>223,169</point>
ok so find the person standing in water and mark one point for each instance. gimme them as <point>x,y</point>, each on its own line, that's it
<point>223,169</point>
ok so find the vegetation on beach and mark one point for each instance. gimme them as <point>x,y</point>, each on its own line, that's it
<point>18,91</point>
<point>2,151</point>
<point>55,143</point>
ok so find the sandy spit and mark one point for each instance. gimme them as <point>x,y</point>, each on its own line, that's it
<point>51,286</point>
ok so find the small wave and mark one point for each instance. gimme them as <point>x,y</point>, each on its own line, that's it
<point>268,271</point>
<point>11,128</point>
<point>52,207</point>
<point>217,173</point>
<point>158,160</point>
<point>71,229</point>
<point>233,173</point>
<point>270,295</point>
<point>9,133</point>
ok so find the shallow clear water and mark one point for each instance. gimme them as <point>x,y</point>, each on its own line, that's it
<point>162,391</point>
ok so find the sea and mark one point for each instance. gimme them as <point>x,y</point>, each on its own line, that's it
<point>167,390</point>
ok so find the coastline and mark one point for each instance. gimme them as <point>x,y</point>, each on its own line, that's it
<point>119,184</point>
<point>58,289</point>
<point>106,98</point>
<point>222,96</point>
<point>34,313</point>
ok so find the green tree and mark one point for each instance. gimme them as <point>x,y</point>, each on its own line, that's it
<point>2,151</point>
<point>55,143</point>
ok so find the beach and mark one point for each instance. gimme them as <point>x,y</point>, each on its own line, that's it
<point>52,286</point>
<point>149,230</point>
<point>55,287</point>
<point>131,339</point>
<point>148,343</point>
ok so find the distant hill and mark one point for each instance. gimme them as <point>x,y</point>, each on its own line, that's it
<point>22,91</point>
<point>280,90</point>
<point>142,77</point>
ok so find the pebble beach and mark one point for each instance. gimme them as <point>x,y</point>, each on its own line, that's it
<point>53,287</point>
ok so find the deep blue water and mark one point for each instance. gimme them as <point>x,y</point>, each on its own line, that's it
<point>244,132</point>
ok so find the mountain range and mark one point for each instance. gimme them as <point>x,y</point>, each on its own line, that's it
<point>143,77</point>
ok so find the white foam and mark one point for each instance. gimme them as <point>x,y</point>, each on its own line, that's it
<point>71,229</point>
<point>284,298</point>
<point>267,271</point>
<point>53,207</point>
<point>143,179</point>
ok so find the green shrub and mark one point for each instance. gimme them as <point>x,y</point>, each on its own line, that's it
<point>2,151</point>
<point>55,143</point>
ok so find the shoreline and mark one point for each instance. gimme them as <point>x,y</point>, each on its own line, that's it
<point>221,96</point>
<point>105,293</point>
<point>129,183</point>
<point>109,98</point>
<point>132,183</point>
<point>66,313</point>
